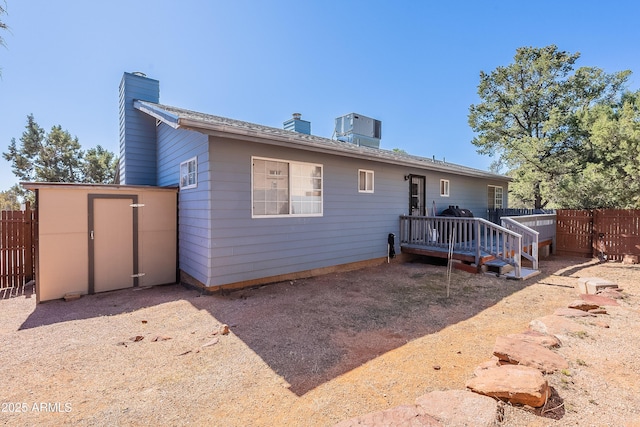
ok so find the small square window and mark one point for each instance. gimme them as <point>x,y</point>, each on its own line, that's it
<point>365,181</point>
<point>189,174</point>
<point>444,187</point>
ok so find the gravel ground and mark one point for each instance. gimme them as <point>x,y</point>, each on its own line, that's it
<point>310,352</point>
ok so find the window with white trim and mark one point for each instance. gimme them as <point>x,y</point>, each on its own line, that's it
<point>189,174</point>
<point>495,197</point>
<point>285,188</point>
<point>444,188</point>
<point>365,181</point>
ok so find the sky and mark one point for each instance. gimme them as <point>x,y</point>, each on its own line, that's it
<point>414,65</point>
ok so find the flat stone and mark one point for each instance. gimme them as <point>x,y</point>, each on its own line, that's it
<point>516,384</point>
<point>493,363</point>
<point>545,340</point>
<point>600,299</point>
<point>405,415</point>
<point>598,311</point>
<point>518,352</point>
<point>571,312</point>
<point>557,326</point>
<point>72,296</point>
<point>613,293</point>
<point>583,305</point>
<point>460,408</point>
<point>591,285</point>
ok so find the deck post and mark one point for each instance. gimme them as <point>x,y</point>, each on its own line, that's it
<point>477,225</point>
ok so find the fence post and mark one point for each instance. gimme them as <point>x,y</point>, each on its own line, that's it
<point>28,242</point>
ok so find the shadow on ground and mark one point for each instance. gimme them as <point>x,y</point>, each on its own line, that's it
<point>313,330</point>
<point>27,291</point>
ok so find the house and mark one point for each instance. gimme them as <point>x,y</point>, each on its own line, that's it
<point>259,204</point>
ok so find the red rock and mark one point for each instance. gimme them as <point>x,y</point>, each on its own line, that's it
<point>602,299</point>
<point>571,312</point>
<point>493,363</point>
<point>598,311</point>
<point>525,353</point>
<point>516,384</point>
<point>406,415</point>
<point>460,408</point>
<point>583,305</point>
<point>556,326</point>
<point>545,340</point>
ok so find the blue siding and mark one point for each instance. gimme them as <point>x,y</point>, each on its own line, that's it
<point>138,152</point>
<point>219,242</point>
<point>354,225</point>
<point>174,147</point>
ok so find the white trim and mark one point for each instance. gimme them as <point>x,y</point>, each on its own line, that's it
<point>445,187</point>
<point>369,181</point>
<point>186,163</point>
<point>291,202</point>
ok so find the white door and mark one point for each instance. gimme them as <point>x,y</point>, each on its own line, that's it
<point>113,244</point>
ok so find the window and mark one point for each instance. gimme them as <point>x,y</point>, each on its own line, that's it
<point>444,187</point>
<point>365,181</point>
<point>495,197</point>
<point>281,188</point>
<point>189,174</point>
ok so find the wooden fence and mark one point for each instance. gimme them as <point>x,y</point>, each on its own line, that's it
<point>17,251</point>
<point>613,233</point>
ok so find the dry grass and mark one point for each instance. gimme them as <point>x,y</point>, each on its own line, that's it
<point>309,352</point>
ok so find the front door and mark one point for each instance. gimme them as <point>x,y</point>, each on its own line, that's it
<point>112,242</point>
<point>417,196</point>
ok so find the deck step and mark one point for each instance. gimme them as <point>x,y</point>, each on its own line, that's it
<point>525,273</point>
<point>498,266</point>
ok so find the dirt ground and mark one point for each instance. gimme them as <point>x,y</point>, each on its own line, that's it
<point>309,352</point>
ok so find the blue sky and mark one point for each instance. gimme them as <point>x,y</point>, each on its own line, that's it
<point>414,65</point>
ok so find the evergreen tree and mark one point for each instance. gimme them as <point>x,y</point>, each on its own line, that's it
<point>609,175</point>
<point>9,199</point>
<point>57,157</point>
<point>100,166</point>
<point>529,118</point>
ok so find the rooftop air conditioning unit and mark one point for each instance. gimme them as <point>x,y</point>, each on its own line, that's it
<point>359,130</point>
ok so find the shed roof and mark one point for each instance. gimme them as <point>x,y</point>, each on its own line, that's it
<point>38,185</point>
<point>180,118</point>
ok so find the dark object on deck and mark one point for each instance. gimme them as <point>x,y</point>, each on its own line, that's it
<point>391,245</point>
<point>457,212</point>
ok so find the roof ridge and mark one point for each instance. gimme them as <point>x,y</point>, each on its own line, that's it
<point>206,121</point>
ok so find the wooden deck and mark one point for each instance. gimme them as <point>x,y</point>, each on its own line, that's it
<point>439,252</point>
<point>478,245</point>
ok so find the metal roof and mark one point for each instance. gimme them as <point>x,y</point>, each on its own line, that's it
<point>180,118</point>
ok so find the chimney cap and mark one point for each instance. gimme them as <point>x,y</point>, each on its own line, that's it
<point>296,116</point>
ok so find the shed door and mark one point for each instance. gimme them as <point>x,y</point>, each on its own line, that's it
<point>112,242</point>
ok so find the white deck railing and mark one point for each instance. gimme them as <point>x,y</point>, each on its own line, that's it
<point>529,239</point>
<point>544,224</point>
<point>476,236</point>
